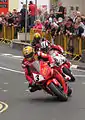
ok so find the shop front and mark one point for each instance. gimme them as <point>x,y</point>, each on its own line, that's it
<point>4,6</point>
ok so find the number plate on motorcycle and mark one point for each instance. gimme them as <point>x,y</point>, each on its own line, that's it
<point>38,77</point>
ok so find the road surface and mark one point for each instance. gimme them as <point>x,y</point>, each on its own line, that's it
<point>16,103</point>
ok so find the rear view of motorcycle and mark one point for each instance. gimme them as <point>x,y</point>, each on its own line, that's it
<point>63,66</point>
<point>44,78</point>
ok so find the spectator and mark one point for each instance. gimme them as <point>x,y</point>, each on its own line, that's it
<point>38,25</point>
<point>23,11</point>
<point>33,12</point>
<point>78,29</point>
<point>61,11</point>
<point>0,24</point>
<point>83,34</point>
<point>68,28</point>
<point>61,26</point>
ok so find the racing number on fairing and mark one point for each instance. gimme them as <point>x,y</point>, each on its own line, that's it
<point>37,77</point>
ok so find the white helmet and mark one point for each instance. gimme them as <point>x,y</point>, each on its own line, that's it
<point>44,46</point>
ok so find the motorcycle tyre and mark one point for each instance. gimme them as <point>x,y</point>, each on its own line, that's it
<point>57,92</point>
<point>68,72</point>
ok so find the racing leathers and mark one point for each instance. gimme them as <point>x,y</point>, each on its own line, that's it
<point>28,69</point>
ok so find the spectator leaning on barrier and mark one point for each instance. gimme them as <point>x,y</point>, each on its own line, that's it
<point>68,31</point>
<point>61,26</point>
<point>38,25</point>
<point>83,25</point>
<point>0,24</point>
<point>68,28</point>
<point>78,29</point>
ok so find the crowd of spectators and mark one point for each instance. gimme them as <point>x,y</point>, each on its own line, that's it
<point>57,22</point>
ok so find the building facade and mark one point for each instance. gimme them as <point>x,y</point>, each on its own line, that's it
<point>9,5</point>
<point>74,5</point>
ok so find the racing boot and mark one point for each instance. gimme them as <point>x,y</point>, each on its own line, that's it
<point>34,87</point>
<point>69,91</point>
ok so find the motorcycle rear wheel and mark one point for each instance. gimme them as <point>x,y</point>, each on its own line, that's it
<point>58,92</point>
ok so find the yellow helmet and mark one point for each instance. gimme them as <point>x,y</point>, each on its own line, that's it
<point>28,52</point>
<point>37,36</point>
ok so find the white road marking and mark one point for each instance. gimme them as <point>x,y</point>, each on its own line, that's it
<point>4,90</point>
<point>4,54</point>
<point>79,75</point>
<point>3,107</point>
<point>78,70</point>
<point>83,83</point>
<point>5,83</point>
<point>11,70</point>
<point>12,56</point>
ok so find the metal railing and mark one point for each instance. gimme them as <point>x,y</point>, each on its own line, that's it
<point>78,43</point>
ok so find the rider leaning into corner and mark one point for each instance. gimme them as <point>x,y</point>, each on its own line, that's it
<point>29,57</point>
<point>37,40</point>
<point>42,44</point>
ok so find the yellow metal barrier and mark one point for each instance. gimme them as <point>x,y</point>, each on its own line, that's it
<point>77,42</point>
<point>59,40</point>
<point>8,33</point>
<point>62,40</point>
<point>1,33</point>
<point>83,43</point>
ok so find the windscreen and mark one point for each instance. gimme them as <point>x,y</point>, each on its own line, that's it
<point>36,66</point>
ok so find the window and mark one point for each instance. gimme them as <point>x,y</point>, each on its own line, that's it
<point>3,6</point>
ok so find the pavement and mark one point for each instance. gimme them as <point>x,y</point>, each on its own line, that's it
<point>17,103</point>
<point>78,65</point>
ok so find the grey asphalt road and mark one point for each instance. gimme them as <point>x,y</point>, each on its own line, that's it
<point>23,105</point>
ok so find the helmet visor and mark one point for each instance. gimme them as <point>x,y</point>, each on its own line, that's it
<point>30,55</point>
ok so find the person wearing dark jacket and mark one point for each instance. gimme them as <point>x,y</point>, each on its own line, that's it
<point>23,11</point>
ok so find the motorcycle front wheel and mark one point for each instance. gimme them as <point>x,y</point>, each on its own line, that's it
<point>68,72</point>
<point>58,92</point>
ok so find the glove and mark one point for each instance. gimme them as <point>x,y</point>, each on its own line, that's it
<point>23,65</point>
<point>52,65</point>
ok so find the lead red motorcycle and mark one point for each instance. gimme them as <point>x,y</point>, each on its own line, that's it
<point>43,77</point>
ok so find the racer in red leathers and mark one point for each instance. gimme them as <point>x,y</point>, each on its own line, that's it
<point>58,50</point>
<point>37,40</point>
<point>30,57</point>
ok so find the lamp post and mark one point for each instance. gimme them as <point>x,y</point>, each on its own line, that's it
<point>36,10</point>
<point>26,18</point>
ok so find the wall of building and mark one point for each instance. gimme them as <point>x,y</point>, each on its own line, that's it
<point>13,4</point>
<point>74,3</point>
<point>39,3</point>
<point>67,3</point>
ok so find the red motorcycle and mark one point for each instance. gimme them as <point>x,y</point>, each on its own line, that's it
<point>43,77</point>
<point>62,65</point>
